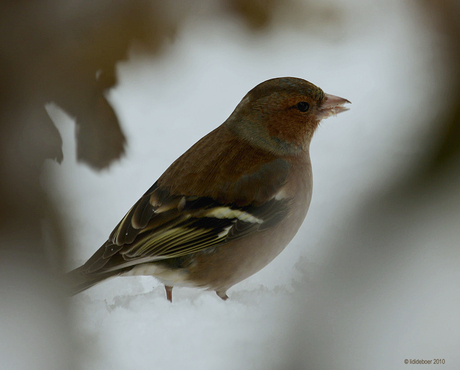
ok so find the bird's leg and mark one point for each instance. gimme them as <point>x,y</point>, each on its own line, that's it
<point>222,295</point>
<point>169,292</point>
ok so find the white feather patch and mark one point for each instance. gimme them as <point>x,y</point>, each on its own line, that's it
<point>226,212</point>
<point>281,195</point>
<point>224,232</point>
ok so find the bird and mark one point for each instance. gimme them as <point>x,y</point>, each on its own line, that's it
<point>230,204</point>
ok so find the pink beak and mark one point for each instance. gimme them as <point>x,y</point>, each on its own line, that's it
<point>331,106</point>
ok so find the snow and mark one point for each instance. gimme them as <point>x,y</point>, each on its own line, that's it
<point>285,316</point>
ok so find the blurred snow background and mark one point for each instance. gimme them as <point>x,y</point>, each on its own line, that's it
<point>339,296</point>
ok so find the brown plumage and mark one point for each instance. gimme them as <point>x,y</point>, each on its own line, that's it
<point>228,205</point>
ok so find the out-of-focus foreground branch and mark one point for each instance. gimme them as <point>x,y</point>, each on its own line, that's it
<point>444,15</point>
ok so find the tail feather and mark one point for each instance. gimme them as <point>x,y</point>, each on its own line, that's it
<point>78,280</point>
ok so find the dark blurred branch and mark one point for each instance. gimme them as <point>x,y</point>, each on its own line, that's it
<point>257,13</point>
<point>444,16</point>
<point>56,50</point>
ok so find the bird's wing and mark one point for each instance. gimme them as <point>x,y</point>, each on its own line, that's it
<point>163,225</point>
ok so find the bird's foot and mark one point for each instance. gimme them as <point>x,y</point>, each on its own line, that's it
<point>169,292</point>
<point>222,295</point>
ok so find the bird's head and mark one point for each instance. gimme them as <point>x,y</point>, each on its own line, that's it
<point>280,115</point>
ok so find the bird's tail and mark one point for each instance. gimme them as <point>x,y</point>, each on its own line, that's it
<point>78,280</point>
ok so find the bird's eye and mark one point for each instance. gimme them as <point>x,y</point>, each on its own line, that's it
<point>303,106</point>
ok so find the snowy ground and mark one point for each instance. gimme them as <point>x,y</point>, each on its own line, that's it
<point>382,60</point>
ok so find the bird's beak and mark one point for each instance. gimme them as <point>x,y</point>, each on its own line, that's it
<point>331,106</point>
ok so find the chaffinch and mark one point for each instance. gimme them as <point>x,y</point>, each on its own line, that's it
<point>230,204</point>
